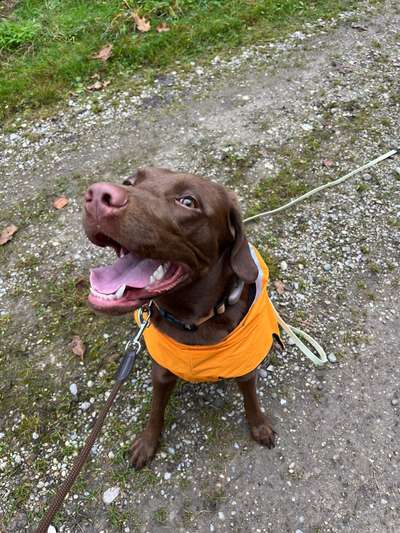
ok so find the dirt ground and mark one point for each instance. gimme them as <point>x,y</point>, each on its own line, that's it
<point>269,123</point>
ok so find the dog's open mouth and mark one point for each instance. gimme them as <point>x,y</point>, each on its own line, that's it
<point>130,280</point>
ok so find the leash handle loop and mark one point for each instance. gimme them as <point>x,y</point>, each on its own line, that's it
<point>294,334</point>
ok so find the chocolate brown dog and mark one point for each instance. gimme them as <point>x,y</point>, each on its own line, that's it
<point>180,242</point>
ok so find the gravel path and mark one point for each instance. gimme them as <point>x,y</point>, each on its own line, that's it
<point>268,123</point>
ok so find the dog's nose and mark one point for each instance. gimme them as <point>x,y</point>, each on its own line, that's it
<point>102,199</point>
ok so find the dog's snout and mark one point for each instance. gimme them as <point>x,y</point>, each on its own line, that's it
<point>102,199</point>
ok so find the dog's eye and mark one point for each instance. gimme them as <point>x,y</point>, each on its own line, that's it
<point>188,201</point>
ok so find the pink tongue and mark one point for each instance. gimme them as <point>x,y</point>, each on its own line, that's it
<point>128,270</point>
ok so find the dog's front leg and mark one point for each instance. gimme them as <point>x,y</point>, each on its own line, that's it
<point>145,444</point>
<point>260,426</point>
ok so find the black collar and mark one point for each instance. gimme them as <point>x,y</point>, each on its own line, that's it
<point>221,305</point>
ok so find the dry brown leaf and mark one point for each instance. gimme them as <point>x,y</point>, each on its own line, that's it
<point>77,346</point>
<point>7,233</point>
<point>327,163</point>
<point>162,27</point>
<point>104,53</point>
<point>279,286</point>
<point>141,23</point>
<point>61,202</point>
<point>98,85</point>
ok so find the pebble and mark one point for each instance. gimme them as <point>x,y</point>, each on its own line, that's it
<point>332,358</point>
<point>262,372</point>
<point>110,495</point>
<point>51,529</point>
<point>167,476</point>
<point>73,389</point>
<point>284,265</point>
<point>327,267</point>
<point>221,515</point>
<point>85,406</point>
<point>395,401</point>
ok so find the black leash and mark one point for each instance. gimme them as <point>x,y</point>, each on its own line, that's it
<point>132,349</point>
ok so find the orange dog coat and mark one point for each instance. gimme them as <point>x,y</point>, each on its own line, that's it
<point>237,354</point>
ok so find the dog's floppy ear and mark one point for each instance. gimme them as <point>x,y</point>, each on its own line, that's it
<point>242,262</point>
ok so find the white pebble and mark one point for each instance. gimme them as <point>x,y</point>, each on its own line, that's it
<point>167,476</point>
<point>85,406</point>
<point>221,515</point>
<point>110,495</point>
<point>73,389</point>
<point>51,529</point>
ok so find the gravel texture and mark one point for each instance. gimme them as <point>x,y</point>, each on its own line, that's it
<point>269,123</point>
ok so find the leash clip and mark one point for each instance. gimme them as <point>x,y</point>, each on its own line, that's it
<point>134,346</point>
<point>144,316</point>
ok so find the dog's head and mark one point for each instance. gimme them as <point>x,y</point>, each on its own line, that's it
<point>168,229</point>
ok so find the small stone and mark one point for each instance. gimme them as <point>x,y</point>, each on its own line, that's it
<point>51,529</point>
<point>307,127</point>
<point>73,389</point>
<point>85,406</point>
<point>327,267</point>
<point>283,401</point>
<point>262,372</point>
<point>332,358</point>
<point>299,35</point>
<point>221,515</point>
<point>110,495</point>
<point>395,401</point>
<point>284,265</point>
<point>35,435</point>
<point>167,476</point>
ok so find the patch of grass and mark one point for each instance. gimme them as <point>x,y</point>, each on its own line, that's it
<point>46,46</point>
<point>161,515</point>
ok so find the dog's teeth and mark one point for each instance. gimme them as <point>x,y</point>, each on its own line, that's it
<point>120,292</point>
<point>151,280</point>
<point>159,273</point>
<point>166,266</point>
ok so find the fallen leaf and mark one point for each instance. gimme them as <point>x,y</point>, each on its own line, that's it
<point>7,233</point>
<point>327,163</point>
<point>162,27</point>
<point>141,23</point>
<point>104,53</point>
<point>61,202</point>
<point>279,286</point>
<point>98,85</point>
<point>77,347</point>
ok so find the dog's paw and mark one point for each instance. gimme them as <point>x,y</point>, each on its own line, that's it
<point>263,433</point>
<point>143,449</point>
